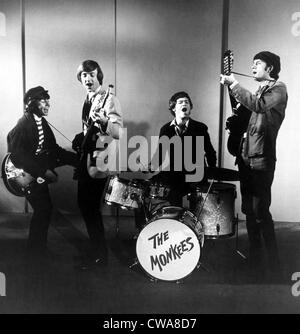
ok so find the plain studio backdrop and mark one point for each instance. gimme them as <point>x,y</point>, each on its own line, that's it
<point>148,49</point>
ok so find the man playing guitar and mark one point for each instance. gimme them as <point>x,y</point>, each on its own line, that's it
<point>101,117</point>
<point>256,158</point>
<point>32,146</point>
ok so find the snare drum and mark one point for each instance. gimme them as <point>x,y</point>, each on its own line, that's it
<point>158,190</point>
<point>127,194</point>
<point>169,247</point>
<point>216,209</point>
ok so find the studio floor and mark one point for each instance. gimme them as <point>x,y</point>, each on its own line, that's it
<point>222,283</point>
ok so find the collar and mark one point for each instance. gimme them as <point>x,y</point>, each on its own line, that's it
<point>91,96</point>
<point>37,118</point>
<point>265,86</point>
<point>174,123</point>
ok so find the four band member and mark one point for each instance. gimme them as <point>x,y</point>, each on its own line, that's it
<point>32,137</point>
<point>97,121</point>
<point>33,148</point>
<point>257,157</point>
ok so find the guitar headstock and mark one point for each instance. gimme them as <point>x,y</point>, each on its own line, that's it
<point>227,62</point>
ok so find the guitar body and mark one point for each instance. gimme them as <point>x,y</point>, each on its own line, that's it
<point>100,150</point>
<point>237,125</point>
<point>103,161</point>
<point>17,181</point>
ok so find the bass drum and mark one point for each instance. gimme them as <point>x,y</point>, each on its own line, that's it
<point>215,209</point>
<point>169,246</point>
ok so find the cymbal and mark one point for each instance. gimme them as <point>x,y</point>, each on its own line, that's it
<point>222,174</point>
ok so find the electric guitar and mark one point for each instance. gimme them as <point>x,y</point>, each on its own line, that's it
<point>100,161</point>
<point>237,123</point>
<point>16,180</point>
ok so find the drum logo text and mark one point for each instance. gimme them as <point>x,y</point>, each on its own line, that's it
<point>174,252</point>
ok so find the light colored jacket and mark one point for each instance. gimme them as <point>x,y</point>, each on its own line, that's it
<point>268,111</point>
<point>106,158</point>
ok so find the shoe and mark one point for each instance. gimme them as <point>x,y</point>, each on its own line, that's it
<point>91,264</point>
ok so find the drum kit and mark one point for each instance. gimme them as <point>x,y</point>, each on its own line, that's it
<point>169,246</point>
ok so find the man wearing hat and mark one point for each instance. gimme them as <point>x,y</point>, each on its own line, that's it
<point>257,157</point>
<point>33,148</point>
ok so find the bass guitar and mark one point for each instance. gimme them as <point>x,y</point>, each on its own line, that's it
<point>237,123</point>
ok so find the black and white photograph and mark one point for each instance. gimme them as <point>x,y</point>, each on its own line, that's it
<point>149,159</point>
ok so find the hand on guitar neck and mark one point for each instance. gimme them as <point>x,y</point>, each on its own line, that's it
<point>236,123</point>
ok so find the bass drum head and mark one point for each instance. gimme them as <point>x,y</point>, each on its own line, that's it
<point>168,249</point>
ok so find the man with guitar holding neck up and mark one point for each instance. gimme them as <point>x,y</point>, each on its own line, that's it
<point>33,148</point>
<point>256,158</point>
<point>101,117</point>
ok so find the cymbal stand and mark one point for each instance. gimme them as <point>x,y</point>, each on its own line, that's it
<point>200,264</point>
<point>237,239</point>
<point>141,203</point>
<point>205,198</point>
<point>117,221</point>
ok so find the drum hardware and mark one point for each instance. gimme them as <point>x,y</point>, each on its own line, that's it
<point>135,262</point>
<point>158,190</point>
<point>199,213</point>
<point>201,265</point>
<point>123,193</point>
<point>214,207</point>
<point>219,220</point>
<point>236,239</point>
<point>221,174</point>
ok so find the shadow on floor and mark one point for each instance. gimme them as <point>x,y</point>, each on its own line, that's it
<point>222,283</point>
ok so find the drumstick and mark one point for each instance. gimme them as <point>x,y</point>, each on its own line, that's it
<point>147,170</point>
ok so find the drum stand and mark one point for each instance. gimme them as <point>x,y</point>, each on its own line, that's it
<point>117,221</point>
<point>236,222</point>
<point>200,265</point>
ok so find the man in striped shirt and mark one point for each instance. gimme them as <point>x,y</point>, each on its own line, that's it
<point>33,148</point>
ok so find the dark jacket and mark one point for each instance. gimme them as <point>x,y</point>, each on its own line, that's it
<point>22,142</point>
<point>268,111</point>
<point>194,129</point>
